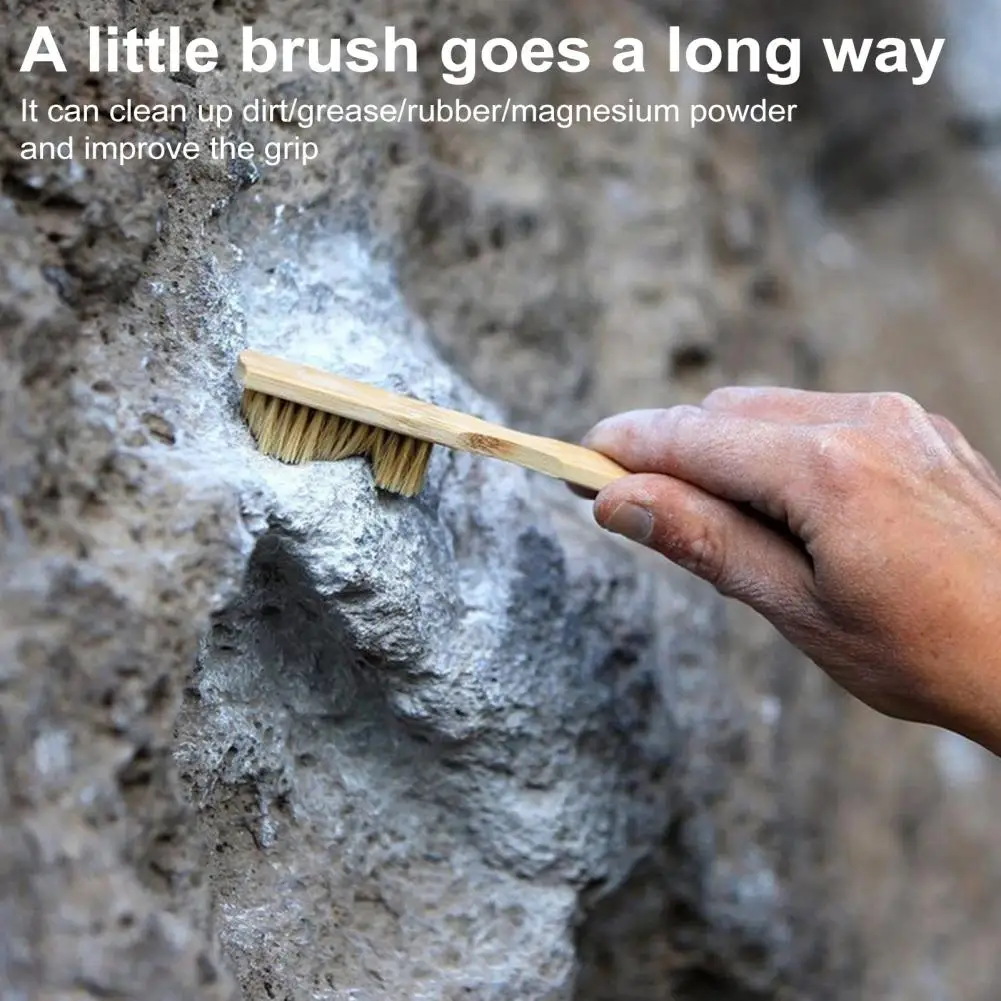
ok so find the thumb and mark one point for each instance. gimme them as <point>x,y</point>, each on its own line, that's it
<point>741,556</point>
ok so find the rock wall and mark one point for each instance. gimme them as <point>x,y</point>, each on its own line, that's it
<point>266,733</point>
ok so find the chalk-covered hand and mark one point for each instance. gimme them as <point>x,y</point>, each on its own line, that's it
<point>867,530</point>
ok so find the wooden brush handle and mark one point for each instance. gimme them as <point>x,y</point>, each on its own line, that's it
<point>333,394</point>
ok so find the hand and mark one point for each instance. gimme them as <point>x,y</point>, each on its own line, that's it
<point>867,530</point>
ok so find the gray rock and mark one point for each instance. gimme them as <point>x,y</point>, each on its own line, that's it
<point>426,723</point>
<point>266,732</point>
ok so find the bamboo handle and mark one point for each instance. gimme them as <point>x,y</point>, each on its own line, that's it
<point>334,394</point>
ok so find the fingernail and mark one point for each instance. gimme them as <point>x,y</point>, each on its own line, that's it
<point>632,521</point>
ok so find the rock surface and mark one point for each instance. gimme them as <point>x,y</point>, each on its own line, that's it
<point>423,728</point>
<point>266,733</point>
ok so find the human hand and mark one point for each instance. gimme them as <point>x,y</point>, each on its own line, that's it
<point>867,530</point>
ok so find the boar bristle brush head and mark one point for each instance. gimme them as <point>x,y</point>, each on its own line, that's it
<point>295,433</point>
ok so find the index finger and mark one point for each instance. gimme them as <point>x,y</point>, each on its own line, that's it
<point>741,459</point>
<point>789,405</point>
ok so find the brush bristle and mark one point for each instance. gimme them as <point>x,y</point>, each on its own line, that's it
<point>294,433</point>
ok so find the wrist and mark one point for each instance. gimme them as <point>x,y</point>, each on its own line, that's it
<point>973,706</point>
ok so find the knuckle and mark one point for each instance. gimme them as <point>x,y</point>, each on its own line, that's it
<point>722,397</point>
<point>897,407</point>
<point>955,443</point>
<point>838,455</point>
<point>680,420</point>
<point>706,555</point>
<point>946,443</point>
<point>944,426</point>
<point>685,412</point>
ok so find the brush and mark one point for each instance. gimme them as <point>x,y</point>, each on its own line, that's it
<point>301,414</point>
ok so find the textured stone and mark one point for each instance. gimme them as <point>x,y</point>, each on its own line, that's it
<point>266,732</point>
<point>427,723</point>
<point>416,732</point>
